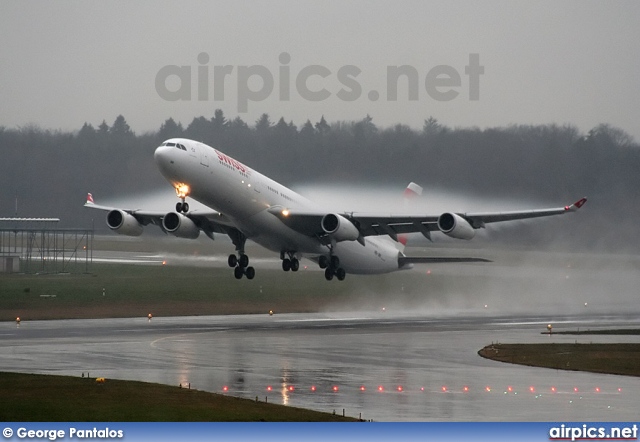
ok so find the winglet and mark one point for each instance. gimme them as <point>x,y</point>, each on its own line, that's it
<point>575,206</point>
<point>89,199</point>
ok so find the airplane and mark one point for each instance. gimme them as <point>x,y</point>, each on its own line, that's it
<point>248,205</point>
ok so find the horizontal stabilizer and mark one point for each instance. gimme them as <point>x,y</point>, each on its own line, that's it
<point>434,260</point>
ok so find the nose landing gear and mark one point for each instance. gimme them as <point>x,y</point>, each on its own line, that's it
<point>183,191</point>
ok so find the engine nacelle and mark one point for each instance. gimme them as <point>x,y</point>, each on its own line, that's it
<point>455,226</point>
<point>180,226</point>
<point>124,223</point>
<point>339,228</point>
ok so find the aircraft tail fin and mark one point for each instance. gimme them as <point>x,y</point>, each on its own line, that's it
<point>412,192</point>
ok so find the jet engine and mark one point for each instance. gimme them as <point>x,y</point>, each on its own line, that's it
<point>180,226</point>
<point>455,226</point>
<point>339,228</point>
<point>124,223</point>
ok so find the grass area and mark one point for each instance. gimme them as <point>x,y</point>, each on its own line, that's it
<point>172,290</point>
<point>33,398</point>
<point>621,359</point>
<point>136,290</point>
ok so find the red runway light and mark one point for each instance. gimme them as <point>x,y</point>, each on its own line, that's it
<point>362,388</point>
<point>399,387</point>
<point>444,389</point>
<point>465,389</point>
<point>380,388</point>
<point>313,388</point>
<point>553,389</point>
<point>619,390</point>
<point>421,388</point>
<point>597,389</point>
<point>488,388</point>
<point>335,388</point>
<point>509,388</point>
<point>269,388</point>
<point>575,389</point>
<point>225,388</point>
<point>291,388</point>
<point>532,390</point>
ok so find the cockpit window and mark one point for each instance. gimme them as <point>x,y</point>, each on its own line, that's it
<point>169,144</point>
<point>180,146</point>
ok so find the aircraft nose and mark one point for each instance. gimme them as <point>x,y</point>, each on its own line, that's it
<point>161,155</point>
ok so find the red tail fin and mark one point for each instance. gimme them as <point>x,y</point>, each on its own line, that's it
<point>412,192</point>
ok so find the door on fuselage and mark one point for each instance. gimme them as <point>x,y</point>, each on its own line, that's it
<point>204,154</point>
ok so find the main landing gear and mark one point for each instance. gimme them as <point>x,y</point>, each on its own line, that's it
<point>241,265</point>
<point>290,262</point>
<point>332,267</point>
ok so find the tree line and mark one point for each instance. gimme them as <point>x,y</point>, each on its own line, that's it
<point>51,170</point>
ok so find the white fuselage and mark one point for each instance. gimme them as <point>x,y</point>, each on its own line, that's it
<point>244,196</point>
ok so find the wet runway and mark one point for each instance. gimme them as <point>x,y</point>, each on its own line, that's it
<point>382,366</point>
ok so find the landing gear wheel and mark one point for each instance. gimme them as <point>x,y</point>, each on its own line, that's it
<point>328,274</point>
<point>185,207</point>
<point>335,262</point>
<point>243,261</point>
<point>295,265</point>
<point>286,264</point>
<point>250,272</point>
<point>323,262</point>
<point>179,207</point>
<point>238,272</point>
<point>341,274</point>
<point>233,260</point>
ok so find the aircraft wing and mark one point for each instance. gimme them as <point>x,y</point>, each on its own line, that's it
<point>393,225</point>
<point>208,221</point>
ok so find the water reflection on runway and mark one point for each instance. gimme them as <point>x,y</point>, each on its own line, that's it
<point>381,367</point>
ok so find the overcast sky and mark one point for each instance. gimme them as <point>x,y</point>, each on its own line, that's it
<point>67,62</point>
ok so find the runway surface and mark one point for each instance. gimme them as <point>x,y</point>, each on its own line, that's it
<point>381,366</point>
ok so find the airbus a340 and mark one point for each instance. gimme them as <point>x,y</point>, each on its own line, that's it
<point>248,205</point>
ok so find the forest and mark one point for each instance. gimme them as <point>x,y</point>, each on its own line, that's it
<point>50,171</point>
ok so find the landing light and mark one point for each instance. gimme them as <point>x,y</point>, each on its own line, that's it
<point>183,190</point>
<point>285,212</point>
